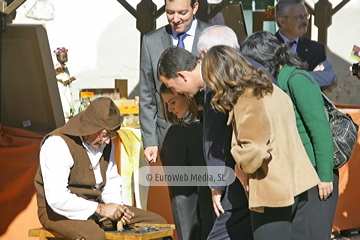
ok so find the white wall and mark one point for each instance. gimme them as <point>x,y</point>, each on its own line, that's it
<point>104,43</point>
<point>343,34</point>
<point>102,39</point>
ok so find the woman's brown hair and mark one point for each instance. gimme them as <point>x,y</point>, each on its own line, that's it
<point>229,74</point>
<point>194,103</point>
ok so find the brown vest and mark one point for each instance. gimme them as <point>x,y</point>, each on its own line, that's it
<point>81,179</point>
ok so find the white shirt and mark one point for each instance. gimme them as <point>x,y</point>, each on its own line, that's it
<point>189,40</point>
<point>56,162</point>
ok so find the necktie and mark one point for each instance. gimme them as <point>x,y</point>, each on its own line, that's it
<point>181,37</point>
<point>292,46</point>
<point>292,43</point>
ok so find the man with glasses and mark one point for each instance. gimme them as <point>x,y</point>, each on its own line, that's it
<point>77,182</point>
<point>292,19</point>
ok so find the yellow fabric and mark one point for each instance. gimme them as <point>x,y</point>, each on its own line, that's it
<point>131,155</point>
<point>129,139</point>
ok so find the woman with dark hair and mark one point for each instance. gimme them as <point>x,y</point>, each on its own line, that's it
<point>311,121</point>
<point>270,158</point>
<point>191,109</point>
<point>191,205</point>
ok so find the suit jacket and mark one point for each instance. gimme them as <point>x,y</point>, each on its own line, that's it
<point>266,144</point>
<point>153,125</point>
<point>313,53</point>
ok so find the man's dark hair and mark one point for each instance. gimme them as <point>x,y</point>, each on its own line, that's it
<point>266,49</point>
<point>282,8</point>
<point>192,2</point>
<point>173,60</point>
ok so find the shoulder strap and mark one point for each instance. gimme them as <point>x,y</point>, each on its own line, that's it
<point>291,91</point>
<point>328,105</point>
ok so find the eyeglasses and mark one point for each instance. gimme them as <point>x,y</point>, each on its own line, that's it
<point>106,136</point>
<point>301,17</point>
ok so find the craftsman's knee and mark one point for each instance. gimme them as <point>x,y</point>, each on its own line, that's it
<point>157,219</point>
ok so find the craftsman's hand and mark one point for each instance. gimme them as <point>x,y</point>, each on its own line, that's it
<point>216,198</point>
<point>319,67</point>
<point>243,177</point>
<point>151,153</point>
<point>325,189</point>
<point>115,211</point>
<point>127,215</point>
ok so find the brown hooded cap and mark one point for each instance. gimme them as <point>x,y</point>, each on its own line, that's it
<point>102,113</point>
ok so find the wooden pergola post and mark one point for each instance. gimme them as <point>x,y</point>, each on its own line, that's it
<point>323,13</point>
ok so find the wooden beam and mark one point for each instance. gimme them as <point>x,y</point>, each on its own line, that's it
<point>339,6</point>
<point>128,7</point>
<point>13,6</point>
<point>219,7</point>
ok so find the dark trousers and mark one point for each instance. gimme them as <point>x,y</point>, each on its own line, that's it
<point>192,211</point>
<point>321,213</point>
<point>235,222</point>
<point>287,223</point>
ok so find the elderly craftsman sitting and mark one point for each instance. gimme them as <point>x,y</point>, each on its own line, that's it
<point>77,182</point>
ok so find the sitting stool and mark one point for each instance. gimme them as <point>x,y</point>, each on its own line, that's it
<point>165,231</point>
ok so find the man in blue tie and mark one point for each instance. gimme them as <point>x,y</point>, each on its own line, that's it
<point>183,31</point>
<point>181,17</point>
<point>292,19</point>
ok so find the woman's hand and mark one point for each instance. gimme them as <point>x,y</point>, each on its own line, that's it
<point>216,198</point>
<point>325,189</point>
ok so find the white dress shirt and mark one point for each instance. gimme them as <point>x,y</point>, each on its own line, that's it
<point>189,40</point>
<point>56,162</point>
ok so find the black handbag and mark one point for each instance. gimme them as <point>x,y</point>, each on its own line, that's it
<point>344,129</point>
